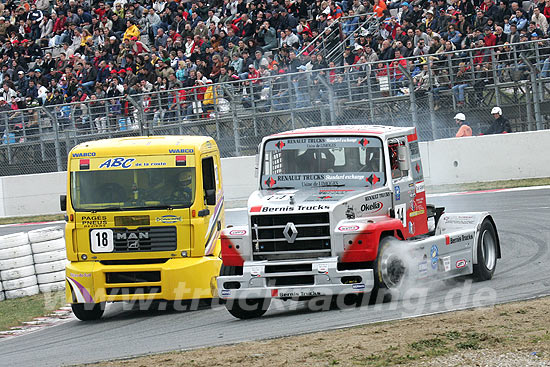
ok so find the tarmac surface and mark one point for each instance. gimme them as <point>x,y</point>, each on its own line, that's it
<point>522,218</point>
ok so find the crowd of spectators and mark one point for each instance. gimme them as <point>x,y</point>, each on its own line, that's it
<point>54,52</point>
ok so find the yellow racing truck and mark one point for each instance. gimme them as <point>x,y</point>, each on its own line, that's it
<point>144,215</point>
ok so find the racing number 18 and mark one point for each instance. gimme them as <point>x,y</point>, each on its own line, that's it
<point>101,240</point>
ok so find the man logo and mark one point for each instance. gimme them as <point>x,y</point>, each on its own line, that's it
<point>290,232</point>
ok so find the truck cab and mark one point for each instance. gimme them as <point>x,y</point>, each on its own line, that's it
<point>144,216</point>
<point>328,199</point>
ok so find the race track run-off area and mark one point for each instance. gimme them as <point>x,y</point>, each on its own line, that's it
<point>521,216</point>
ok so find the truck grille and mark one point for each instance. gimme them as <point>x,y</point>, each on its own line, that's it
<point>145,239</point>
<point>307,236</point>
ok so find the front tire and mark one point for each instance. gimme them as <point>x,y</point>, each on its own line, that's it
<point>88,311</point>
<point>389,272</point>
<point>244,309</point>
<point>487,252</point>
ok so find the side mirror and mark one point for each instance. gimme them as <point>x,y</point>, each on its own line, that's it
<point>63,202</point>
<point>210,197</point>
<point>403,156</point>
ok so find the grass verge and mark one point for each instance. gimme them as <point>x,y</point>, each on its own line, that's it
<point>474,186</point>
<point>15,311</point>
<point>31,219</point>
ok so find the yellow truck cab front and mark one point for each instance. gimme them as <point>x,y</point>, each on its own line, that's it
<point>144,216</point>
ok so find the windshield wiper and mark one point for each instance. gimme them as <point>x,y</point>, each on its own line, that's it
<point>153,207</point>
<point>108,209</point>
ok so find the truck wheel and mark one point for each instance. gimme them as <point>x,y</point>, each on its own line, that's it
<point>88,311</point>
<point>486,252</point>
<point>389,271</point>
<point>248,308</point>
<point>244,308</point>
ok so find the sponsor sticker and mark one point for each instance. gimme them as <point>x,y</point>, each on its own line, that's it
<point>358,286</point>
<point>167,219</point>
<point>449,240</point>
<point>423,267</point>
<point>397,193</point>
<point>447,263</point>
<point>237,232</point>
<point>255,271</point>
<point>348,228</point>
<point>415,213</point>
<point>295,293</point>
<point>434,256</point>
<point>118,162</point>
<point>419,187</point>
<point>411,227</point>
<point>322,268</point>
<point>460,263</point>
<point>84,154</point>
<point>373,207</point>
<point>226,292</point>
<point>89,221</point>
<point>181,151</point>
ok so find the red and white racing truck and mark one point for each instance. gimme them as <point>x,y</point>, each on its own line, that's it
<point>330,204</point>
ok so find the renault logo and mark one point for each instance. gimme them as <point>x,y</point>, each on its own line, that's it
<point>290,232</point>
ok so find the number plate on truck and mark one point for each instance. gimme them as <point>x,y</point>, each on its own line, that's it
<point>101,240</point>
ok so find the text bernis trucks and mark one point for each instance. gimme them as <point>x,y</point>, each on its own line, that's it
<point>331,202</point>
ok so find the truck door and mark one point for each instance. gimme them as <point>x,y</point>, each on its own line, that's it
<point>213,201</point>
<point>402,184</point>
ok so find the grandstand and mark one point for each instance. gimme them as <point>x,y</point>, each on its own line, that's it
<point>75,71</point>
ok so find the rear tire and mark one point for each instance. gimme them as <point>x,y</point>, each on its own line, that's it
<point>487,252</point>
<point>389,271</point>
<point>88,311</point>
<point>244,309</point>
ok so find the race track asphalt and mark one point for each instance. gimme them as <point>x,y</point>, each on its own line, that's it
<point>523,221</point>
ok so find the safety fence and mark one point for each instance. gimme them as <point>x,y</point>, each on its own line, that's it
<point>32,262</point>
<point>424,91</point>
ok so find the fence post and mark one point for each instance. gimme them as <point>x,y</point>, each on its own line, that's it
<point>235,119</point>
<point>40,134</point>
<point>7,135</point>
<point>253,103</point>
<point>534,90</point>
<point>140,113</point>
<point>412,96</point>
<point>56,140</point>
<point>331,100</point>
<point>496,80</point>
<point>291,101</point>
<point>369,91</point>
<point>431,99</point>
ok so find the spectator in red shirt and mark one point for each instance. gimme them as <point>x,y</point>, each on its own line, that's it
<point>490,39</point>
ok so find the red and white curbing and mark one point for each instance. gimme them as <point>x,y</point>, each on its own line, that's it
<point>58,316</point>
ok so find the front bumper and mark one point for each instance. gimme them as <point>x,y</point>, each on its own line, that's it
<point>261,279</point>
<point>175,279</point>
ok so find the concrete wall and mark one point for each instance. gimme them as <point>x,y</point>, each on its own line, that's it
<point>489,158</point>
<point>31,194</point>
<point>446,161</point>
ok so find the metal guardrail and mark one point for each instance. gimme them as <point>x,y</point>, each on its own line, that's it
<point>238,114</point>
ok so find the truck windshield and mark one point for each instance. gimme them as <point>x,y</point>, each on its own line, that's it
<point>354,161</point>
<point>133,189</point>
